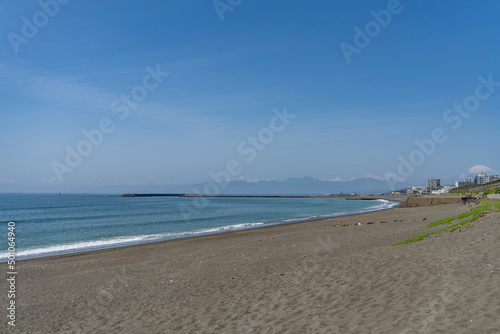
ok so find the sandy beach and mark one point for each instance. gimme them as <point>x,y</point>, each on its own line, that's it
<point>325,276</point>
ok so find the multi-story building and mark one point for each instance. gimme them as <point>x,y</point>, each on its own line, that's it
<point>434,184</point>
<point>466,182</point>
<point>485,178</point>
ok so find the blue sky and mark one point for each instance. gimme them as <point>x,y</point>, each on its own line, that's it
<point>226,77</point>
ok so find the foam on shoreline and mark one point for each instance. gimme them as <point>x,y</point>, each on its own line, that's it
<point>85,246</point>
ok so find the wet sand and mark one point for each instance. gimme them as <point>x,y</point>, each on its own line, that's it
<point>325,276</point>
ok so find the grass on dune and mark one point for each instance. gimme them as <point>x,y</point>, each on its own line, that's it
<point>457,226</point>
<point>449,229</point>
<point>441,222</point>
<point>414,239</point>
<point>475,213</point>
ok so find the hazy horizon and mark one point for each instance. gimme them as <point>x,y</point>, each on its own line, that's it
<point>300,186</point>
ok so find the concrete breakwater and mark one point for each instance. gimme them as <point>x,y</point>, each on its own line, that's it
<point>231,196</point>
<point>347,197</point>
<point>152,195</point>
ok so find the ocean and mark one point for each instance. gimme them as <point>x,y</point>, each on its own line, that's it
<point>51,224</point>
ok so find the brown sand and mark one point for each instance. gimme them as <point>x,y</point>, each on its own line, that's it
<point>312,277</point>
<point>418,201</point>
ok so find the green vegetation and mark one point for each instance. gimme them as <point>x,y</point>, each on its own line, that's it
<point>486,192</point>
<point>459,225</point>
<point>441,222</point>
<point>475,211</point>
<point>474,215</point>
<point>449,229</point>
<point>414,239</point>
<point>466,189</point>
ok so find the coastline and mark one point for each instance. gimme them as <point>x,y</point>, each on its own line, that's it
<point>322,276</point>
<point>90,246</point>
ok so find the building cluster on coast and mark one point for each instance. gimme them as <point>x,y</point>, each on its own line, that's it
<point>482,178</point>
<point>434,186</point>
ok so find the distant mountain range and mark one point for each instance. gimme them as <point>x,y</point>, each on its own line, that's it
<point>291,186</point>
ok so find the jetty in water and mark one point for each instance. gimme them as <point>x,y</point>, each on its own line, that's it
<point>230,196</point>
<point>153,195</point>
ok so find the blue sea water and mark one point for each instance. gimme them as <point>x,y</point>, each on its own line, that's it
<point>50,224</point>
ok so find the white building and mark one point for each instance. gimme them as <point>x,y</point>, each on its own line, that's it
<point>415,190</point>
<point>485,178</point>
<point>442,191</point>
<point>466,182</point>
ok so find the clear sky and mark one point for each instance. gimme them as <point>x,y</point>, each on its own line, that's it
<point>360,81</point>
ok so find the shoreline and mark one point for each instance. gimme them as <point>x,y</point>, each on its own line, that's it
<point>200,234</point>
<point>322,276</point>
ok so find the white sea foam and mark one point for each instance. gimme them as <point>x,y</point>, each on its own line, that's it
<point>123,241</point>
<point>384,204</point>
<point>117,242</point>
